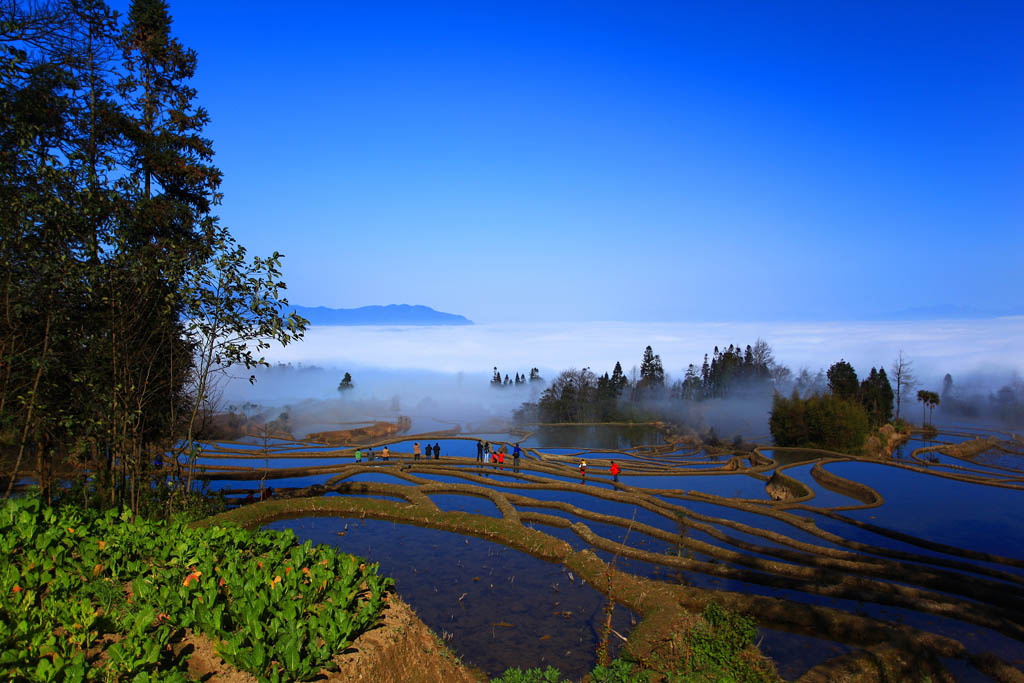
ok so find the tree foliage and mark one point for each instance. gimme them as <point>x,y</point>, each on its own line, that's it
<point>842,380</point>
<point>928,399</point>
<point>819,421</point>
<point>571,397</point>
<point>652,374</point>
<point>733,371</point>
<point>876,396</point>
<point>120,291</point>
<point>346,383</point>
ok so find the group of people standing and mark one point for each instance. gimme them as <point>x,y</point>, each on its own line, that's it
<point>486,450</point>
<point>371,456</point>
<point>436,448</point>
<point>385,454</point>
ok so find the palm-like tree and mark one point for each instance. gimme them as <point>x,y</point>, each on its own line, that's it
<point>928,399</point>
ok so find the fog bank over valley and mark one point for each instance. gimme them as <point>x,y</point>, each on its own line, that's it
<point>937,347</point>
<point>444,373</point>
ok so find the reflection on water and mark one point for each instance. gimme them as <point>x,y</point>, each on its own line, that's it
<point>595,436</point>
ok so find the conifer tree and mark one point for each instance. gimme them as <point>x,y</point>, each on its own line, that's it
<point>691,388</point>
<point>705,375</point>
<point>947,386</point>
<point>842,380</point>
<point>652,374</point>
<point>618,381</point>
<point>346,383</point>
<point>876,396</point>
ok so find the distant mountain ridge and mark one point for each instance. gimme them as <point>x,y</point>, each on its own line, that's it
<point>392,314</point>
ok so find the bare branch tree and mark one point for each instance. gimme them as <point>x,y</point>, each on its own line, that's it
<point>903,375</point>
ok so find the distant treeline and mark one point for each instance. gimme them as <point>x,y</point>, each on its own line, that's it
<point>583,396</point>
<point>499,383</point>
<point>1006,404</point>
<point>829,409</point>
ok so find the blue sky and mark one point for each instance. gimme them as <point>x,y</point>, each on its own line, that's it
<point>661,162</point>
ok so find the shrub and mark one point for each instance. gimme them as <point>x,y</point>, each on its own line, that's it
<point>715,647</point>
<point>819,421</point>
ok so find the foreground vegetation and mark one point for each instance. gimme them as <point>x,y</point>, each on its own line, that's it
<point>89,596</point>
<point>715,647</point>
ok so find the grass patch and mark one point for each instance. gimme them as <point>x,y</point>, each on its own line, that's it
<point>719,647</point>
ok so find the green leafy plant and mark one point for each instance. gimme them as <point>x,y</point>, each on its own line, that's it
<point>536,675</point>
<point>275,608</point>
<point>715,646</point>
<point>618,671</point>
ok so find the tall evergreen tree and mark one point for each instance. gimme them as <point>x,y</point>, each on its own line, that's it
<point>652,374</point>
<point>877,397</point>
<point>691,389</point>
<point>947,386</point>
<point>705,377</point>
<point>842,380</point>
<point>618,382</point>
<point>346,383</point>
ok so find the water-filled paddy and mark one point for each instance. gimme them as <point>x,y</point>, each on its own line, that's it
<point>271,462</point>
<point>734,485</point>
<point>777,553</point>
<point>972,516</point>
<point>473,504</point>
<point>515,610</point>
<point>823,497</point>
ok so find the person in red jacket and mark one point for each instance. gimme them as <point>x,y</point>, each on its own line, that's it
<point>614,469</point>
<point>501,460</point>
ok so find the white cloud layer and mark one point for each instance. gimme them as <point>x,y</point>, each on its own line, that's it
<point>936,347</point>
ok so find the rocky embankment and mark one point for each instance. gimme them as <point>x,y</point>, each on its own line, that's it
<point>882,443</point>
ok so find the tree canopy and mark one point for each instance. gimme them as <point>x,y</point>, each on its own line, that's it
<point>842,380</point>
<point>121,292</point>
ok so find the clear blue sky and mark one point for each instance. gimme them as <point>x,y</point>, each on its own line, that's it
<point>660,162</point>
